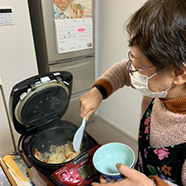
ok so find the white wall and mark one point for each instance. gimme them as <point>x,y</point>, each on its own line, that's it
<point>122,109</point>
<point>17,61</point>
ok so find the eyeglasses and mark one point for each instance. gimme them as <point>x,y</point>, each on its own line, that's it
<point>130,66</point>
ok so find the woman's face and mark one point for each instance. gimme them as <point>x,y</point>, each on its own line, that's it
<point>160,82</point>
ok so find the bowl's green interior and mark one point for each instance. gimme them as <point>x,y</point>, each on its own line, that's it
<point>107,156</point>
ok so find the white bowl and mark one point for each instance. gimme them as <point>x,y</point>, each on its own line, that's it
<point>107,156</point>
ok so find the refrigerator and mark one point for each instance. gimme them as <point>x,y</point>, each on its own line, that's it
<point>64,39</point>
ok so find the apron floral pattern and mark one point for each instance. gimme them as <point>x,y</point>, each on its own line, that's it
<point>164,162</point>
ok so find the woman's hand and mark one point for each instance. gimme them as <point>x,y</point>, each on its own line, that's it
<point>132,178</point>
<point>89,102</point>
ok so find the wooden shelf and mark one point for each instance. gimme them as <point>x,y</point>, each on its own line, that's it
<point>7,173</point>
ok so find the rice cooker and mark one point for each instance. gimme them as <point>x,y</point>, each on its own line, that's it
<point>37,105</point>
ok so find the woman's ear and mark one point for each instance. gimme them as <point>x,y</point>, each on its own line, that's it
<point>180,76</point>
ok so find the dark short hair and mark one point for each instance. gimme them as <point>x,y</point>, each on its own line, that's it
<point>159,30</point>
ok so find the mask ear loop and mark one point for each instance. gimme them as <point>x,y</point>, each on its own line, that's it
<point>152,75</point>
<point>184,64</point>
<point>155,75</point>
<point>170,87</point>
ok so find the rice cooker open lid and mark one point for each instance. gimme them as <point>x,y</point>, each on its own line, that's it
<point>40,101</point>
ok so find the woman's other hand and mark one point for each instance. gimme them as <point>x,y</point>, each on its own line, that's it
<point>89,102</point>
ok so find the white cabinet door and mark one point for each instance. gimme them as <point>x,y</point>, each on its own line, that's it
<point>6,145</point>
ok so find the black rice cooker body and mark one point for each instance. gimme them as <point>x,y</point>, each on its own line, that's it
<point>37,104</point>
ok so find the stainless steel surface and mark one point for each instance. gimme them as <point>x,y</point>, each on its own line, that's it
<point>80,63</point>
<point>83,72</point>
<point>41,12</point>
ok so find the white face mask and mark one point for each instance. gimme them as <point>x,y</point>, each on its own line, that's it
<point>140,82</point>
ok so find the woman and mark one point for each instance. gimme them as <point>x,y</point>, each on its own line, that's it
<point>157,68</point>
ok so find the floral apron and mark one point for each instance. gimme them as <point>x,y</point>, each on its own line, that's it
<point>165,162</point>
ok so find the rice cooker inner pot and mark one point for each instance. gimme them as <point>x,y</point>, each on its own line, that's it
<point>57,136</point>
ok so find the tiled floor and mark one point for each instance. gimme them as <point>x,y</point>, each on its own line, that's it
<point>104,132</point>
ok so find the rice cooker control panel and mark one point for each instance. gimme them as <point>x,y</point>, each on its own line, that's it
<point>79,172</point>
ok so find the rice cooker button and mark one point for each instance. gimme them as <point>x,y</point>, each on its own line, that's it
<point>71,171</point>
<point>78,180</point>
<point>71,179</point>
<point>64,176</point>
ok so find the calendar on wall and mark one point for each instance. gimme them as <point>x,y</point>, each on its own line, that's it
<point>73,25</point>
